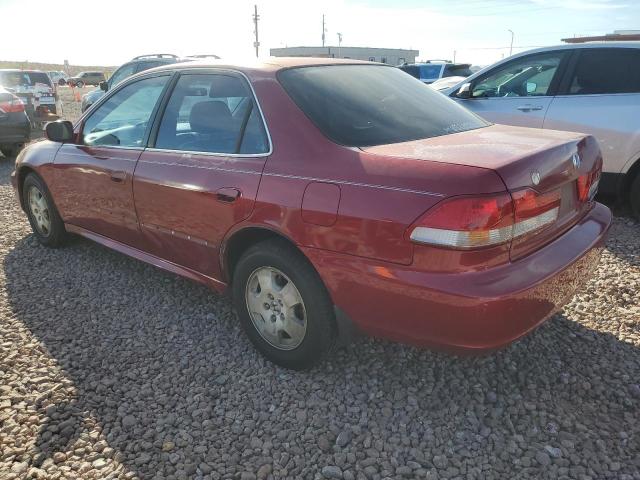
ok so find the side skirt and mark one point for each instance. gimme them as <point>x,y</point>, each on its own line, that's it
<point>211,282</point>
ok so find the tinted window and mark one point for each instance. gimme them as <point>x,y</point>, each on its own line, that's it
<point>207,113</point>
<point>430,71</point>
<point>123,119</point>
<point>457,71</point>
<point>122,73</point>
<point>19,79</point>
<point>142,66</point>
<point>360,105</point>
<point>411,70</point>
<point>525,77</point>
<point>606,70</point>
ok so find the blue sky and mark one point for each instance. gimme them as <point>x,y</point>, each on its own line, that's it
<point>477,30</point>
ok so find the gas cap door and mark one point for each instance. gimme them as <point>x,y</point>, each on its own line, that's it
<point>320,203</point>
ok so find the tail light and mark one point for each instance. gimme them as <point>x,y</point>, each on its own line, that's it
<point>588,185</point>
<point>483,221</point>
<point>12,105</point>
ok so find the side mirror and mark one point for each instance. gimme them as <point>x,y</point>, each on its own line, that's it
<point>104,86</point>
<point>464,91</point>
<point>60,131</point>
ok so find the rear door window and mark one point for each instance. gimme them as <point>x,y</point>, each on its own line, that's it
<point>606,71</point>
<point>213,113</point>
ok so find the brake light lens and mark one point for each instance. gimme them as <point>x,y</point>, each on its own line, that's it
<point>484,221</point>
<point>588,185</point>
<point>12,105</point>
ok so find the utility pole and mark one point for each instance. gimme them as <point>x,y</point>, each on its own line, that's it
<point>339,44</point>
<point>256,17</point>
<point>511,47</point>
<point>323,29</point>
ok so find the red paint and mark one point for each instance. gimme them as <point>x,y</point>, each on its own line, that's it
<point>349,211</point>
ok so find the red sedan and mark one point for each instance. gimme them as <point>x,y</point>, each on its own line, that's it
<point>327,195</point>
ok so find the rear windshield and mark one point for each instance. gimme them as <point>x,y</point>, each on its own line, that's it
<point>365,105</point>
<point>457,71</point>
<point>21,78</point>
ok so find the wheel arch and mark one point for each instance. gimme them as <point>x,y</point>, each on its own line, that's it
<point>244,238</point>
<point>22,173</point>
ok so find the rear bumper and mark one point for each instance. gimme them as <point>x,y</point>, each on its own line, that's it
<point>472,311</point>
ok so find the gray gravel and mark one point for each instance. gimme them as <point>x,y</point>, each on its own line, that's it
<point>110,368</point>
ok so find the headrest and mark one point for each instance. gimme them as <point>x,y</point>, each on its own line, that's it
<point>210,117</point>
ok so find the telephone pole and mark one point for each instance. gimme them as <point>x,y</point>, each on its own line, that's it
<point>256,17</point>
<point>323,29</point>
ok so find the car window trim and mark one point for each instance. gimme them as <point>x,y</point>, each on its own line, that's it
<point>551,92</point>
<point>111,93</point>
<point>150,144</point>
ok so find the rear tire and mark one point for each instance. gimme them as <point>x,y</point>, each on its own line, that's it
<point>284,307</point>
<point>43,216</point>
<point>634,197</point>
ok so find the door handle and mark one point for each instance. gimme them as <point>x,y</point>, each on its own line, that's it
<point>118,177</point>
<point>529,108</point>
<point>227,195</point>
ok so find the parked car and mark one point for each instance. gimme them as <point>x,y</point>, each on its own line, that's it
<point>592,88</point>
<point>15,128</point>
<point>137,64</point>
<point>58,77</point>
<point>432,70</point>
<point>319,204</point>
<point>86,78</point>
<point>35,89</point>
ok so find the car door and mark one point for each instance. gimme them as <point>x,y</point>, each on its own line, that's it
<point>201,172</point>
<point>93,187</point>
<point>518,92</point>
<point>601,96</point>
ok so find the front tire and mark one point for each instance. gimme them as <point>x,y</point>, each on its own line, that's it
<point>283,305</point>
<point>80,84</point>
<point>43,216</point>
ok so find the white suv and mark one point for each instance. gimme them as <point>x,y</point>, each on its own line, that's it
<point>591,88</point>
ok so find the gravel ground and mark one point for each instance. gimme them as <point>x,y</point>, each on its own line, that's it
<point>110,368</point>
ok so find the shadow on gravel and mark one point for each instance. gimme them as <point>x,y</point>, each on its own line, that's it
<point>161,366</point>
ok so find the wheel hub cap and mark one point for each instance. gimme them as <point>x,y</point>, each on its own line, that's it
<point>39,210</point>
<point>276,308</point>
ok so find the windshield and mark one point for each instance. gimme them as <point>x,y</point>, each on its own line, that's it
<point>365,105</point>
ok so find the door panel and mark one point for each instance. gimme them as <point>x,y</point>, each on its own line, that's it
<point>519,111</point>
<point>94,178</point>
<point>518,92</point>
<point>202,174</point>
<point>187,202</point>
<point>603,102</point>
<point>95,190</point>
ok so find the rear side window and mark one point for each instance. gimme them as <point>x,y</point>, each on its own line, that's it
<point>365,105</point>
<point>606,70</point>
<point>430,71</point>
<point>213,113</point>
<point>411,70</point>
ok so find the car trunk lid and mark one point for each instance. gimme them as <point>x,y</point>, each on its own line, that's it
<point>543,163</point>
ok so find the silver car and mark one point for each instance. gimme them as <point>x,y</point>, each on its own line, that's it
<point>591,88</point>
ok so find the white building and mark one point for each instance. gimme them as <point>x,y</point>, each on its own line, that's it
<point>392,56</point>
